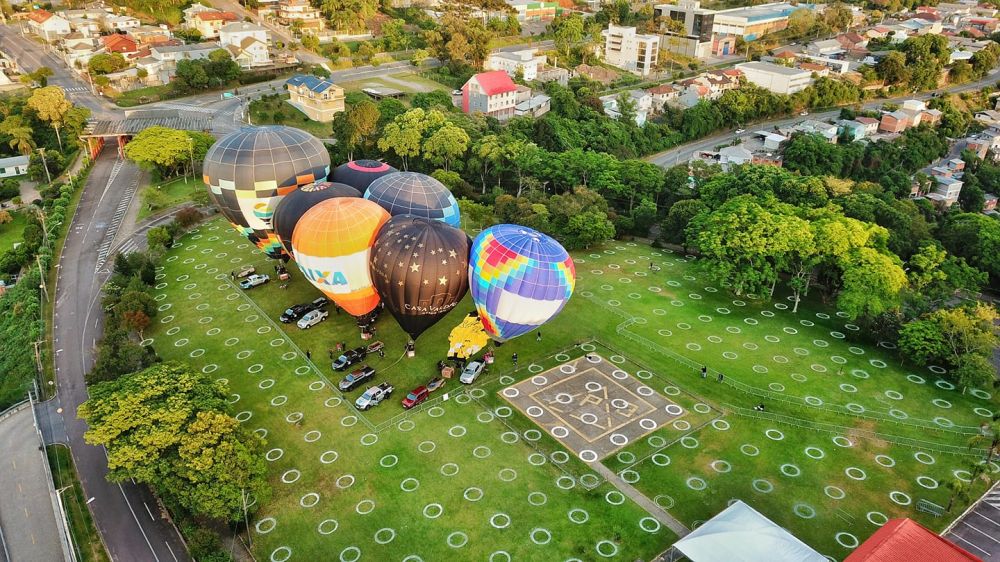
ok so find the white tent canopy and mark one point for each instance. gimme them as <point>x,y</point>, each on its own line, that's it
<point>741,534</point>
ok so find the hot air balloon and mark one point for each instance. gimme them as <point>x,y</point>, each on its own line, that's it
<point>290,209</point>
<point>420,267</point>
<point>412,193</point>
<point>332,242</point>
<point>248,172</point>
<point>520,279</point>
<point>359,174</point>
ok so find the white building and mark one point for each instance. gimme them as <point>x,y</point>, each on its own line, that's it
<point>642,100</point>
<point>121,23</point>
<point>535,106</point>
<point>510,62</point>
<point>48,25</point>
<point>753,22</point>
<point>778,79</point>
<point>13,166</point>
<point>247,42</point>
<point>628,50</point>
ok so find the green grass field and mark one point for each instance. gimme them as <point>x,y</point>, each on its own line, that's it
<point>11,232</point>
<point>277,111</point>
<point>466,475</point>
<point>177,191</point>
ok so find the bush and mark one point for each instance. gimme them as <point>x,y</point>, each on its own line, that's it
<point>188,216</point>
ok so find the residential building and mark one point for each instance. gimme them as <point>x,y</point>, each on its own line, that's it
<point>871,125</point>
<point>839,66</point>
<point>784,58</point>
<point>988,117</point>
<point>527,62</point>
<point>151,35</point>
<point>247,42</point>
<point>825,48</point>
<point>535,106</point>
<point>947,188</point>
<point>693,35</point>
<point>596,73</point>
<point>931,117</point>
<point>776,78</point>
<point>208,23</point>
<point>754,21</point>
<point>851,130</point>
<point>661,95</point>
<point>989,202</point>
<point>85,26</point>
<point>548,73</point>
<point>817,69</point>
<point>853,42</point>
<point>174,53</point>
<point>318,98</point>
<point>894,122</point>
<point>301,10</point>
<point>194,9</point>
<point>121,23</point>
<point>492,93</point>
<point>47,25</point>
<point>731,156</point>
<point>631,51</point>
<point>812,126</point>
<point>117,43</point>
<point>13,166</point>
<point>534,10</point>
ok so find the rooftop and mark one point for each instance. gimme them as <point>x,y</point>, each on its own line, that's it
<point>239,26</point>
<point>186,48</point>
<point>494,82</point>
<point>773,68</point>
<point>215,16</point>
<point>313,83</point>
<point>12,161</point>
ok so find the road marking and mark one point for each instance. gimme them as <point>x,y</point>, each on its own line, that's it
<point>91,500</point>
<point>970,543</point>
<point>171,551</point>
<point>141,530</point>
<point>986,518</point>
<point>987,535</point>
<point>149,512</point>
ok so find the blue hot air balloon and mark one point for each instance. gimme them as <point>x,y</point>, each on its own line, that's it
<point>413,193</point>
<point>519,278</point>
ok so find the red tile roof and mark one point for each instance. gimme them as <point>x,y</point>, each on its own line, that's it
<point>866,120</point>
<point>784,55</point>
<point>211,16</point>
<point>118,43</point>
<point>495,82</point>
<point>39,16</point>
<point>813,67</point>
<point>904,540</point>
<point>662,89</point>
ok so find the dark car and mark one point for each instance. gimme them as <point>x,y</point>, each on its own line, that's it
<point>299,310</point>
<point>416,396</point>
<point>354,378</point>
<point>349,358</point>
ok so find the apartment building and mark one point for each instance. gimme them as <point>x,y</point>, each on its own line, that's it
<point>631,51</point>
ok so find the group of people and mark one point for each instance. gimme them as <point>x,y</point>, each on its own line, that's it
<point>704,374</point>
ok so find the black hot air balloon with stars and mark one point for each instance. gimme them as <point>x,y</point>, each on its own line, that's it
<point>420,268</point>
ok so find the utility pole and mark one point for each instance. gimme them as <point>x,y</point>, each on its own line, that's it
<point>45,165</point>
<point>191,153</point>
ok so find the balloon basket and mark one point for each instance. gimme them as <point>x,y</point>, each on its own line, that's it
<point>411,352</point>
<point>366,336</point>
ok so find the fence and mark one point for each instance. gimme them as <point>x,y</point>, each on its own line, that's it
<point>68,547</point>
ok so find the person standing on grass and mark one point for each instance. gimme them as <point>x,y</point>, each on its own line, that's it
<point>514,359</point>
<point>309,355</point>
<point>704,371</point>
<point>330,351</point>
<point>721,376</point>
<point>538,336</point>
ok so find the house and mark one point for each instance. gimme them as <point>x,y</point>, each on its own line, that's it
<point>852,42</point>
<point>784,58</point>
<point>247,42</point>
<point>931,117</point>
<point>117,43</point>
<point>85,26</point>
<point>772,141</point>
<point>825,48</point>
<point>776,78</point>
<point>535,106</point>
<point>871,125</point>
<point>956,165</point>
<point>47,25</point>
<point>151,35</point>
<point>208,23</point>
<point>642,103</point>
<point>960,55</point>
<point>878,32</point>
<point>817,69</point>
<point>527,62</point>
<point>302,11</point>
<point>596,73</point>
<point>988,117</point>
<point>915,109</point>
<point>161,64</point>
<point>13,166</point>
<point>318,98</point>
<point>989,202</point>
<point>631,51</point>
<point>948,188</point>
<point>894,122</point>
<point>534,10</point>
<point>121,23</point>
<point>546,73</point>
<point>731,156</point>
<point>812,126</point>
<point>662,94</point>
<point>492,93</point>
<point>851,130</point>
<point>191,11</point>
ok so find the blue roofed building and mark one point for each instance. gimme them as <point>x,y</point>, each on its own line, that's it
<point>319,98</point>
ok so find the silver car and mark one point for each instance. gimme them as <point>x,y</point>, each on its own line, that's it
<point>311,319</point>
<point>471,372</point>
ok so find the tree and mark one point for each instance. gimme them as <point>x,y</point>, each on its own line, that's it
<point>190,75</point>
<point>975,237</point>
<point>476,216</point>
<point>394,35</point>
<point>51,106</point>
<point>673,228</point>
<point>106,63</point>
<point>974,371</point>
<point>871,284</point>
<point>167,151</point>
<point>366,52</point>
<point>445,144</point>
<point>159,237</point>
<point>20,133</point>
<point>586,229</point>
<point>405,135</point>
<point>989,435</point>
<point>362,123</point>
<point>801,20</point>
<point>349,15</point>
<point>922,341</point>
<point>419,57</point>
<point>568,31</point>
<point>892,68</point>
<point>5,217</point>
<point>169,426</point>
<point>960,490</point>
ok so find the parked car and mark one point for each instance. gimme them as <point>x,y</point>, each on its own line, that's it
<point>804,113</point>
<point>471,372</point>
<point>253,281</point>
<point>740,131</point>
<point>374,396</point>
<point>349,358</point>
<point>297,311</point>
<point>456,92</point>
<point>355,378</point>
<point>416,396</point>
<point>245,271</point>
<point>311,319</point>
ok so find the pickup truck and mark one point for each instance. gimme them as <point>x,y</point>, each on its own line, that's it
<point>374,396</point>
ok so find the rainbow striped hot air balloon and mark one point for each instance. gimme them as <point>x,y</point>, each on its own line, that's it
<point>332,242</point>
<point>519,278</point>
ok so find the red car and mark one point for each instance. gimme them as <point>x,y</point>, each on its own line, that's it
<point>416,396</point>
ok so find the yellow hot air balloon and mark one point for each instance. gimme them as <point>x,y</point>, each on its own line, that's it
<point>332,242</point>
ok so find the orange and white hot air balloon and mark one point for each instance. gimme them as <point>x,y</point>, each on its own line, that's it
<point>332,242</point>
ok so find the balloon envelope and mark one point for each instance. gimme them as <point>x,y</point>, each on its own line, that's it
<point>359,174</point>
<point>292,206</point>
<point>520,279</point>
<point>420,268</point>
<point>248,172</point>
<point>412,193</point>
<point>332,242</point>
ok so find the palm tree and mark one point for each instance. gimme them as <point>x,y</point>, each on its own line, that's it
<point>989,435</point>
<point>959,491</point>
<point>19,133</point>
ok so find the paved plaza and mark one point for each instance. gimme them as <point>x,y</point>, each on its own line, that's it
<point>591,406</point>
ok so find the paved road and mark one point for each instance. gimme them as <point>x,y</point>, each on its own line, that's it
<point>978,531</point>
<point>127,515</point>
<point>683,153</point>
<point>31,56</point>
<point>28,525</point>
